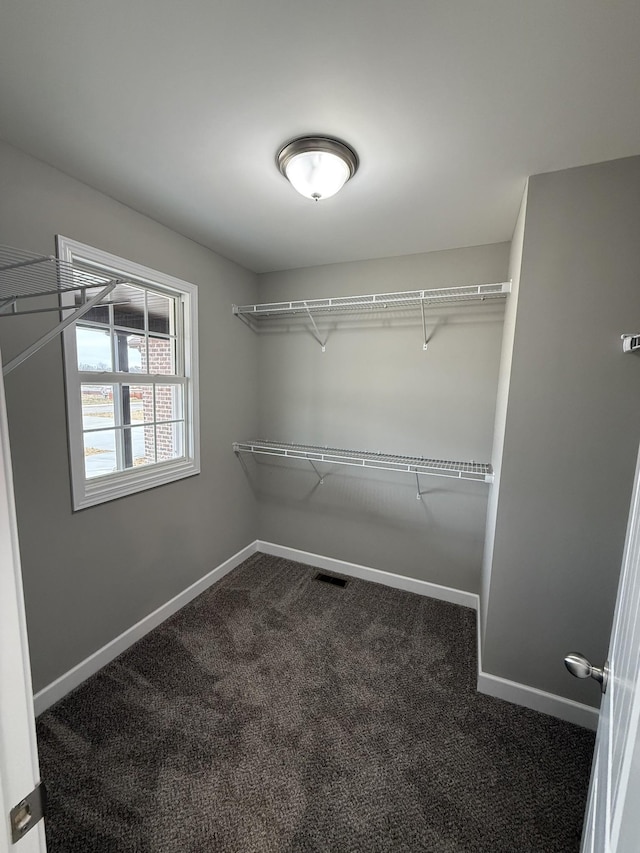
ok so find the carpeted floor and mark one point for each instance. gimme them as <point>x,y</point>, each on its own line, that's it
<point>279,714</point>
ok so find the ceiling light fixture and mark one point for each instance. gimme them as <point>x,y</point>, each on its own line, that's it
<point>316,166</point>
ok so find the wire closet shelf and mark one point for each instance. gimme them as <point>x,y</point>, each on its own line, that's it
<point>374,301</point>
<point>477,471</point>
<point>25,275</point>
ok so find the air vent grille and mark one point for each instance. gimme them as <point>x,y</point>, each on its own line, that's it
<point>331,579</point>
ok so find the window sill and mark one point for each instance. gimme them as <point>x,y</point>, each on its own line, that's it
<point>120,484</point>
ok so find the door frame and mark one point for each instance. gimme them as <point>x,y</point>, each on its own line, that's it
<point>19,771</point>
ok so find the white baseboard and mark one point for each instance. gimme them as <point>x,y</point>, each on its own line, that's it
<point>72,679</point>
<point>538,700</point>
<point>353,570</point>
<point>492,685</point>
<point>532,697</point>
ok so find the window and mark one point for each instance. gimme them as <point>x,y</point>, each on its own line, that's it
<point>131,371</point>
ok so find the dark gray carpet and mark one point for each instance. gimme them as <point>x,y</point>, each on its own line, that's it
<point>278,714</point>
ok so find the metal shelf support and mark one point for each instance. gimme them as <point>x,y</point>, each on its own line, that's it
<point>24,275</point>
<point>52,333</point>
<point>318,474</point>
<point>425,345</point>
<point>316,333</point>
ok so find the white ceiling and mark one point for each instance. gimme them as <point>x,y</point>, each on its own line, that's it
<point>178,107</point>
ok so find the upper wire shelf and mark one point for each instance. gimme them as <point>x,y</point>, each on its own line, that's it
<point>375,301</point>
<point>477,471</point>
<point>370,302</point>
<point>24,275</point>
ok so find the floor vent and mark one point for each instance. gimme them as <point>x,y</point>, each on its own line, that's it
<point>330,579</point>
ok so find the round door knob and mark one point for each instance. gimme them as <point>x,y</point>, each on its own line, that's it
<point>579,666</point>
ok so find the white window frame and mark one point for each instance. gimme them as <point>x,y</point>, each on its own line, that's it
<point>89,492</point>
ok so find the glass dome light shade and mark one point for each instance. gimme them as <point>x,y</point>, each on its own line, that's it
<point>317,167</point>
<point>317,174</point>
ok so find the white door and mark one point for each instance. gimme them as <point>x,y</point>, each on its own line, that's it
<point>18,750</point>
<point>612,823</point>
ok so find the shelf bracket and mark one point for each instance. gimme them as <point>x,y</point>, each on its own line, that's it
<point>318,474</point>
<point>241,460</point>
<point>244,317</point>
<point>419,493</point>
<point>50,335</point>
<point>8,303</point>
<point>425,344</point>
<point>316,333</point>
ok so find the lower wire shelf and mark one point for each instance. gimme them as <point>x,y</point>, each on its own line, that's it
<point>480,472</point>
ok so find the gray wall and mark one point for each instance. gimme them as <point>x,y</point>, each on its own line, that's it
<point>92,574</point>
<point>572,429</point>
<point>375,389</point>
